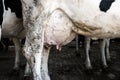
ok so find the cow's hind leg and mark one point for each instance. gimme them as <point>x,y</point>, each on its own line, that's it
<point>77,43</point>
<point>34,61</point>
<point>107,49</point>
<point>87,50</point>
<point>44,68</point>
<point>16,67</point>
<point>102,46</point>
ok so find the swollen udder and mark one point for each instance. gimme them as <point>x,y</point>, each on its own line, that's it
<point>58,30</point>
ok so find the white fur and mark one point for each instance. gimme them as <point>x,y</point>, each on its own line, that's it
<point>97,23</point>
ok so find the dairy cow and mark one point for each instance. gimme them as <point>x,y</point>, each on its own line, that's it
<point>11,24</point>
<point>92,18</point>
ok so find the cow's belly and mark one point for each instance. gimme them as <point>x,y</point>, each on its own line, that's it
<point>11,25</point>
<point>12,30</point>
<point>58,29</point>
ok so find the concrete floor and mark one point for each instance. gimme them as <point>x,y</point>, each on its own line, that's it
<point>67,65</point>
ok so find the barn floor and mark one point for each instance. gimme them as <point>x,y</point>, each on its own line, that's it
<point>67,65</point>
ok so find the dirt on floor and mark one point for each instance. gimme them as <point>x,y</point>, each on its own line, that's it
<point>67,64</point>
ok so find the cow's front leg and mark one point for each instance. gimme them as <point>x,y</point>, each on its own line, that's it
<point>44,68</point>
<point>17,53</point>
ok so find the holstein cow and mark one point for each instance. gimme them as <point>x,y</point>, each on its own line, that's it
<point>92,18</point>
<point>12,24</point>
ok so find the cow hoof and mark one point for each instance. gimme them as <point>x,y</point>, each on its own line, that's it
<point>109,62</point>
<point>77,53</point>
<point>14,72</point>
<point>89,71</point>
<point>105,69</point>
<point>27,78</point>
<point>88,65</point>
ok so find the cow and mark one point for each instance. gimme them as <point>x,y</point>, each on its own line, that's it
<point>12,27</point>
<point>12,24</point>
<point>91,18</point>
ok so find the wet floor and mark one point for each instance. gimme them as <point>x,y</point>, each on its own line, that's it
<point>67,64</point>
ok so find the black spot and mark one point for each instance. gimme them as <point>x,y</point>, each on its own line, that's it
<point>15,6</point>
<point>1,12</point>
<point>105,4</point>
